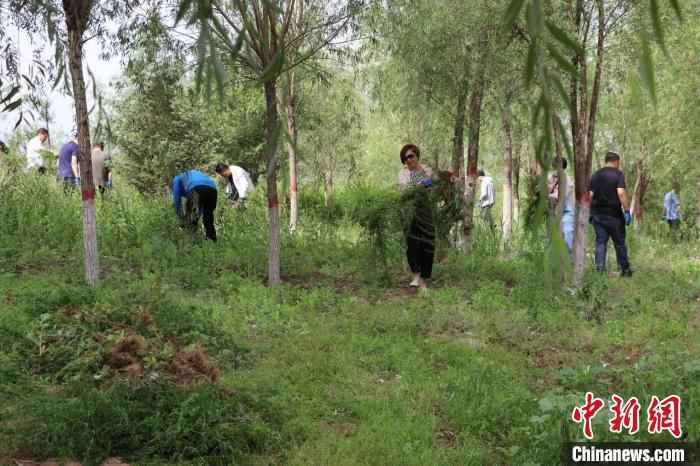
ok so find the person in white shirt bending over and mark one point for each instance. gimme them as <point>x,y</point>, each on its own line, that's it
<point>238,182</point>
<point>35,161</point>
<point>487,198</point>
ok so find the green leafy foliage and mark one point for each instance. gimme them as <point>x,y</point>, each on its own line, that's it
<point>163,128</point>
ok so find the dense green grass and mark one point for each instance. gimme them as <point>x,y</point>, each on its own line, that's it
<point>332,367</point>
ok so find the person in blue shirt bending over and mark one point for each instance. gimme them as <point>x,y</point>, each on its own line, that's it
<point>200,192</point>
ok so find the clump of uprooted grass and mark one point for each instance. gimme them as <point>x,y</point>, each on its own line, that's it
<point>101,383</point>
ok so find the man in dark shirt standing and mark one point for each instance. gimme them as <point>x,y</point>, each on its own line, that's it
<point>610,213</point>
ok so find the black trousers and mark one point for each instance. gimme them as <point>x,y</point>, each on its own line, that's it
<point>608,227</point>
<point>202,202</point>
<point>420,247</point>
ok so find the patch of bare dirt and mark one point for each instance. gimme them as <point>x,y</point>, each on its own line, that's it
<point>553,357</point>
<point>619,356</point>
<point>345,429</point>
<point>316,279</point>
<point>446,437</point>
<point>61,462</point>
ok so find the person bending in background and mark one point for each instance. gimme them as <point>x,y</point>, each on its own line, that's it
<point>68,170</point>
<point>420,237</point>
<point>101,172</point>
<point>238,183</point>
<point>672,207</point>
<point>200,192</point>
<point>35,161</point>
<point>568,221</point>
<point>487,198</point>
<point>609,221</point>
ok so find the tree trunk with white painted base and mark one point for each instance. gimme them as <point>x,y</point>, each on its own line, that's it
<point>583,115</point>
<point>77,15</point>
<point>291,102</point>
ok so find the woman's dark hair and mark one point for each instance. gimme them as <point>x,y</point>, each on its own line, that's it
<point>564,164</point>
<point>409,148</point>
<point>481,172</point>
<point>220,168</point>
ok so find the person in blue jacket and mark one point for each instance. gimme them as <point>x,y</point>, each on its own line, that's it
<point>200,192</point>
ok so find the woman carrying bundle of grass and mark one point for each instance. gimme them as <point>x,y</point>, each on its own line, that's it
<point>416,179</point>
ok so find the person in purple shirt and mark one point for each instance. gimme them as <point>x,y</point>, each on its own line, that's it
<point>68,171</point>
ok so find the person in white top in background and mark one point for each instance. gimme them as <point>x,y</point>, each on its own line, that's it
<point>487,198</point>
<point>101,168</point>
<point>35,161</point>
<point>238,185</point>
<point>568,222</point>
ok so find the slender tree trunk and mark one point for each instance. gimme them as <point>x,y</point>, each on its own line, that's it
<point>472,164</point>
<point>327,188</point>
<point>583,120</point>
<point>533,173</point>
<point>516,184</point>
<point>77,15</point>
<point>560,170</point>
<point>458,139</point>
<point>292,152</point>
<point>271,133</point>
<point>640,188</point>
<point>507,175</point>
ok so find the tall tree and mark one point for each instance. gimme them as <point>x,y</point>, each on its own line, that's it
<point>255,36</point>
<point>591,23</point>
<point>77,15</point>
<point>66,23</point>
<point>446,50</point>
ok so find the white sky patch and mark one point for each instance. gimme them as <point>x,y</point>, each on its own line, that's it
<point>61,108</point>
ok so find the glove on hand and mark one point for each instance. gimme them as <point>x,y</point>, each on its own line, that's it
<point>628,217</point>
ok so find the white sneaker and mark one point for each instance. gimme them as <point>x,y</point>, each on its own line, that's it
<point>415,283</point>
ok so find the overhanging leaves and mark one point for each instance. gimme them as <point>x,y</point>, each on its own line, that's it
<point>512,13</point>
<point>563,38</point>
<point>13,92</point>
<point>12,105</point>
<point>646,68</point>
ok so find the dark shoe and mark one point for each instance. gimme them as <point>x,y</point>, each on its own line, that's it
<point>626,273</point>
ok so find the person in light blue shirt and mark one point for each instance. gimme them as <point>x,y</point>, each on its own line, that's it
<point>201,196</point>
<point>672,208</point>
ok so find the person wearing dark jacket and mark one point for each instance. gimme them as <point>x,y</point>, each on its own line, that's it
<point>201,194</point>
<point>610,213</point>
